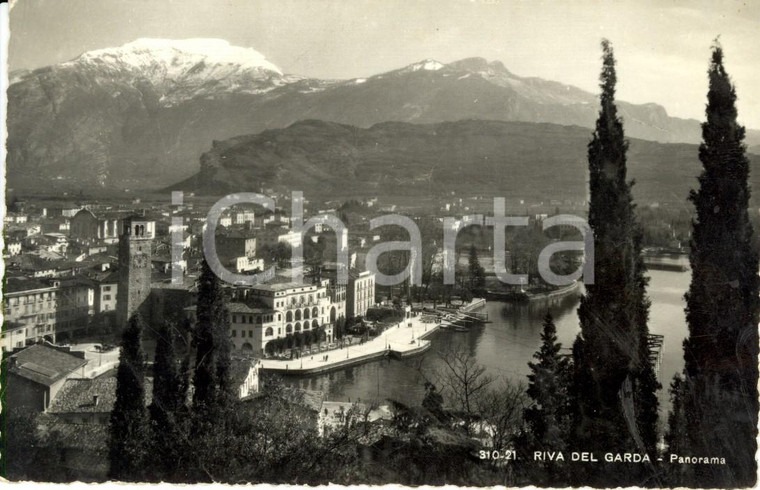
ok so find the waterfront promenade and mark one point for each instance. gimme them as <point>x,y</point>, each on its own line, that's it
<point>399,341</point>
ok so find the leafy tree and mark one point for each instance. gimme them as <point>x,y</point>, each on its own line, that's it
<point>477,273</point>
<point>129,429</point>
<point>612,389</point>
<point>433,400</point>
<point>340,327</point>
<point>719,392</point>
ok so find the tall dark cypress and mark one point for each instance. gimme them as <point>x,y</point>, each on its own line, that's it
<point>646,383</point>
<point>212,343</point>
<point>721,373</point>
<point>611,353</point>
<point>129,429</point>
<point>167,410</point>
<point>548,420</point>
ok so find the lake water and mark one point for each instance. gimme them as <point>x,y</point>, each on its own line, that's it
<point>506,345</point>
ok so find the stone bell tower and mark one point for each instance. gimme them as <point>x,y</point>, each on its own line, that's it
<point>135,248</point>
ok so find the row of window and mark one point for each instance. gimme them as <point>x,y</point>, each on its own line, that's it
<point>267,333</point>
<point>299,300</point>
<point>258,319</point>
<point>289,328</point>
<point>29,299</point>
<point>289,316</point>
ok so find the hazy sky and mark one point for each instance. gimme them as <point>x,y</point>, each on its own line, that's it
<point>662,47</point>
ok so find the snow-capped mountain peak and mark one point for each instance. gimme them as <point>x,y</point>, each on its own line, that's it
<point>184,69</point>
<point>424,65</point>
<point>175,53</point>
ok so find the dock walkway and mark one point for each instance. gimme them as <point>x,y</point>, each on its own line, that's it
<point>400,342</point>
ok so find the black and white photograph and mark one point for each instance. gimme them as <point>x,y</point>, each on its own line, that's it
<point>473,243</point>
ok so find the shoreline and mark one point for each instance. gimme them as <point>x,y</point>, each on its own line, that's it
<point>523,297</point>
<point>400,342</point>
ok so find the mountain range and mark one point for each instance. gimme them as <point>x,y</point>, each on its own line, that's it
<point>531,161</point>
<point>141,115</point>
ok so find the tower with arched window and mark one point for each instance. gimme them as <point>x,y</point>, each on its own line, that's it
<point>135,248</point>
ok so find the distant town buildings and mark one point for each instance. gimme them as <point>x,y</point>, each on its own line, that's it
<point>85,226</point>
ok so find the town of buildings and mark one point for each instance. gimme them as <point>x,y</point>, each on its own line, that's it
<point>75,274</point>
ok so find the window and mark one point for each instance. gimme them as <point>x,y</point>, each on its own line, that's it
<point>107,297</point>
<point>234,333</point>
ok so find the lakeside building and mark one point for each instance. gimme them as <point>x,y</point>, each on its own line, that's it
<point>360,293</point>
<point>259,314</point>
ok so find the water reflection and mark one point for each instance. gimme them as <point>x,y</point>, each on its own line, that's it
<point>505,346</point>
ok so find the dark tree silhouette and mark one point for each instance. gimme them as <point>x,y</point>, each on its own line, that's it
<point>719,391</point>
<point>212,357</point>
<point>613,382</point>
<point>477,273</point>
<point>129,430</point>
<point>168,410</point>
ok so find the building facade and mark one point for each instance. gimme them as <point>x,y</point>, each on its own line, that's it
<point>281,310</point>
<point>360,293</point>
<point>53,310</point>
<point>86,227</point>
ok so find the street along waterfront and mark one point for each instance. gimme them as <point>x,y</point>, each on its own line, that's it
<point>505,346</point>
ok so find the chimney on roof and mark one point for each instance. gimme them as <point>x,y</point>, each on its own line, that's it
<point>95,400</point>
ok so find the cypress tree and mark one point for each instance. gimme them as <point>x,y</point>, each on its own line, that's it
<point>645,381</point>
<point>721,373</point>
<point>128,444</point>
<point>549,418</point>
<point>613,384</point>
<point>168,405</point>
<point>212,357</point>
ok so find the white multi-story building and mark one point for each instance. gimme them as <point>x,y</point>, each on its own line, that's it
<point>360,293</point>
<point>282,309</point>
<point>242,217</point>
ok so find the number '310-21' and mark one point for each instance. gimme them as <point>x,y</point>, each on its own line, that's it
<point>498,454</point>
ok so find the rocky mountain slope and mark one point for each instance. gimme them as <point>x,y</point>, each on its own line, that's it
<point>140,115</point>
<point>536,161</point>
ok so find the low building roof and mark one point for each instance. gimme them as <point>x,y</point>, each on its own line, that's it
<point>21,283</point>
<point>78,395</point>
<point>44,364</point>
<point>240,367</point>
